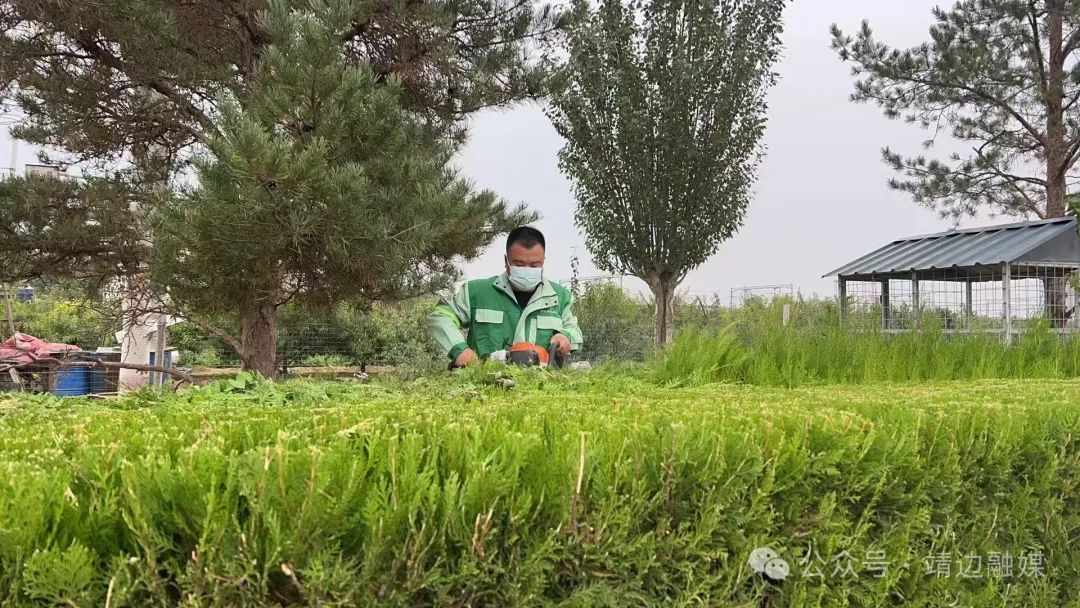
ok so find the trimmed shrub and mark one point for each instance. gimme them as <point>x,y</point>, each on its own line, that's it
<point>578,490</point>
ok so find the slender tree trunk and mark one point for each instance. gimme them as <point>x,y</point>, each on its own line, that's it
<point>1056,292</point>
<point>663,290</point>
<point>1055,114</point>
<point>260,334</point>
<point>1054,289</point>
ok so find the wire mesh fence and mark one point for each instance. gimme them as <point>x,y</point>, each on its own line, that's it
<point>1007,300</point>
<point>739,295</point>
<point>617,324</point>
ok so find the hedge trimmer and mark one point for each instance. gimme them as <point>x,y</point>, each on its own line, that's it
<point>526,354</point>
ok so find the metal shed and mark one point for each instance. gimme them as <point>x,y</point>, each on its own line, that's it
<point>992,278</point>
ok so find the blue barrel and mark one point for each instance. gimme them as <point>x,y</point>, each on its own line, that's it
<point>72,382</point>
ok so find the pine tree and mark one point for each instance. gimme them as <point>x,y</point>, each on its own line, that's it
<point>83,230</point>
<point>317,181</point>
<point>999,76</point>
<point>319,186</point>
<point>103,80</point>
<point>662,105</point>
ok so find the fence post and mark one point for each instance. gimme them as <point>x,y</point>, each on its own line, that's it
<point>7,305</point>
<point>1006,301</point>
<point>915,304</point>
<point>968,309</point>
<point>841,294</point>
<point>159,378</point>
<point>885,304</point>
<point>787,314</point>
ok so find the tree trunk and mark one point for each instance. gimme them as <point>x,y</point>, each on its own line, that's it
<point>259,340</point>
<point>1056,153</point>
<point>663,290</point>
<point>1054,289</point>
<point>1055,292</point>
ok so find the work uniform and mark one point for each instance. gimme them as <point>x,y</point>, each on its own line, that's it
<point>489,311</point>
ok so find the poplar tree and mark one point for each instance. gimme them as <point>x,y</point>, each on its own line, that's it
<point>662,106</point>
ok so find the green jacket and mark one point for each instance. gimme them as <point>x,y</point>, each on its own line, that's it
<point>488,310</point>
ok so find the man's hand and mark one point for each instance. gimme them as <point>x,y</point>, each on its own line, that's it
<point>466,357</point>
<point>560,345</point>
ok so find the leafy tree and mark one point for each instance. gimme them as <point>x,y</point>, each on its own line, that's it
<point>662,105</point>
<point>998,75</point>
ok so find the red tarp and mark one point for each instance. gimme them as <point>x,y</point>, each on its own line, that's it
<point>22,348</point>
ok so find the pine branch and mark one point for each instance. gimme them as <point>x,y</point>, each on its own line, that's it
<point>91,47</point>
<point>1036,44</point>
<point>217,332</point>
<point>992,99</point>
<point>1072,43</point>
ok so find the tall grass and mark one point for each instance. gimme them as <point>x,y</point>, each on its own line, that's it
<point>762,350</point>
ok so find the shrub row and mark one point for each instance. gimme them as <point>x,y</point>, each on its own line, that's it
<point>587,491</point>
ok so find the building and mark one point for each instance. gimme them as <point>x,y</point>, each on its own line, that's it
<point>993,279</point>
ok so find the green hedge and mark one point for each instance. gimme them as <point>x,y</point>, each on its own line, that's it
<point>451,493</point>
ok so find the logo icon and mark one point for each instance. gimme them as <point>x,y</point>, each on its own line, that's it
<point>766,562</point>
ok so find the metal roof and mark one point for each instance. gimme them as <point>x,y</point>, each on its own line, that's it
<point>1053,241</point>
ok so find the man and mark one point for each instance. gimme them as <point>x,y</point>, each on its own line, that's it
<point>516,306</point>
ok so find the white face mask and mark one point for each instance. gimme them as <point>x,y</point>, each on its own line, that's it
<point>524,278</point>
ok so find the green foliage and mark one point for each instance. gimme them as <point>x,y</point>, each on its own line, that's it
<point>200,349</point>
<point>145,85</point>
<point>662,106</point>
<point>207,357</point>
<point>63,228</point>
<point>326,361</point>
<point>701,356</point>
<point>64,321</point>
<point>768,353</point>
<point>242,382</point>
<point>614,323</point>
<point>344,494</point>
<point>392,334</point>
<point>65,577</point>
<point>305,333</point>
<point>994,76</point>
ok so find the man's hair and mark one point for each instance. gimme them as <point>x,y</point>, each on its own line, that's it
<point>526,236</point>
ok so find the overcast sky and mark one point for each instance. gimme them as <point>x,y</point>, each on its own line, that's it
<point>821,197</point>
